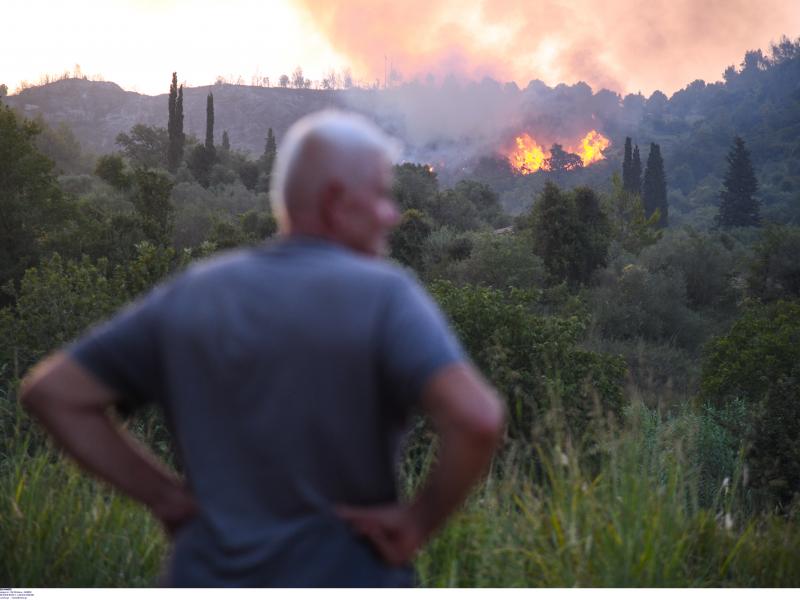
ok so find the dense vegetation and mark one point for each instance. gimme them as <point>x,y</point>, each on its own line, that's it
<point>650,367</point>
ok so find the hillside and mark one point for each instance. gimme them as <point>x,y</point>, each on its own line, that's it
<point>98,111</point>
<point>466,129</point>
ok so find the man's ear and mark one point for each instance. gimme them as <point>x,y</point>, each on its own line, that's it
<point>330,209</point>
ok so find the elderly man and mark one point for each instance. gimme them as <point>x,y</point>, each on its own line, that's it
<point>287,374</point>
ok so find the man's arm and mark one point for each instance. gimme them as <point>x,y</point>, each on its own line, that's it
<point>469,419</point>
<point>73,406</point>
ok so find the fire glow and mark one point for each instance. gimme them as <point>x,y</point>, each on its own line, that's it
<point>528,156</point>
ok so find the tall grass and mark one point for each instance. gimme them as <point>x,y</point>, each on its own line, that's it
<point>635,520</point>
<point>632,515</point>
<point>60,528</point>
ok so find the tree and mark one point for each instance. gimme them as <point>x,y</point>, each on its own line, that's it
<point>210,123</point>
<point>627,165</point>
<point>593,234</point>
<point>654,187</point>
<point>571,233</point>
<point>408,239</point>
<point>758,363</point>
<point>528,357</point>
<point>347,79</point>
<point>175,125</point>
<point>561,160</point>
<point>146,147</point>
<point>415,186</point>
<point>267,161</point>
<point>3,90</point>
<point>738,206</point>
<point>200,163</point>
<point>636,172</point>
<point>626,216</point>
<point>284,80</point>
<point>298,80</point>
<point>111,169</point>
<point>151,199</point>
<point>31,203</point>
<point>270,151</point>
<point>775,270</point>
<point>248,174</point>
<point>226,142</point>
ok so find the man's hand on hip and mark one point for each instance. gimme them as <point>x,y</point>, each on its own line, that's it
<point>392,529</point>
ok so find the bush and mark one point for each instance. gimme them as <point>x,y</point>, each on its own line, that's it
<point>637,302</point>
<point>534,361</point>
<point>775,271</point>
<point>758,362</point>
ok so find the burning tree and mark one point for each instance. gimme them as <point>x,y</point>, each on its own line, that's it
<point>560,160</point>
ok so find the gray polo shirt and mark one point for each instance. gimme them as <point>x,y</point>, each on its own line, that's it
<point>288,374</point>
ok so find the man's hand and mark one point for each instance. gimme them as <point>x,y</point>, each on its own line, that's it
<point>176,509</point>
<point>393,530</point>
<point>469,418</point>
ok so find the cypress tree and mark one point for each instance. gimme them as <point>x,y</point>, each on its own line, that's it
<point>172,125</point>
<point>627,165</point>
<point>210,122</point>
<point>270,150</point>
<point>654,187</point>
<point>636,172</point>
<point>226,142</point>
<point>738,207</point>
<point>180,137</point>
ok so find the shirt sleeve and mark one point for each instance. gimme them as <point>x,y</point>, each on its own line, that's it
<point>417,341</point>
<point>124,352</point>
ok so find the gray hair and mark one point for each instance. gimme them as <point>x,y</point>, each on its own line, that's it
<point>344,138</point>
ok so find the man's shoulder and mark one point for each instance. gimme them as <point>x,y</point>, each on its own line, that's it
<point>283,262</point>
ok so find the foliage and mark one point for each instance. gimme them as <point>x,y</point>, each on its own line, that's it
<point>710,263</point>
<point>636,302</point>
<point>414,186</point>
<point>151,199</point>
<point>738,206</point>
<point>534,361</point>
<point>200,162</point>
<point>636,523</point>
<point>111,169</point>
<point>759,362</point>
<point>775,270</point>
<point>654,187</point>
<point>60,528</point>
<point>210,123</point>
<point>176,138</point>
<point>32,206</point>
<point>145,147</point>
<point>560,160</point>
<point>408,239</point>
<point>500,261</point>
<point>627,221</point>
<point>59,299</point>
<point>571,233</point>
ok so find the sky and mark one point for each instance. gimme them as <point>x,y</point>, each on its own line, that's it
<point>623,45</point>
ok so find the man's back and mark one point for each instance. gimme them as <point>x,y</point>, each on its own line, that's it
<point>287,374</point>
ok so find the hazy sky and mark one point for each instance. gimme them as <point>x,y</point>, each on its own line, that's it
<point>625,45</point>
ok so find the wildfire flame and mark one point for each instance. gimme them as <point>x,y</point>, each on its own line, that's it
<point>592,146</point>
<point>528,156</point>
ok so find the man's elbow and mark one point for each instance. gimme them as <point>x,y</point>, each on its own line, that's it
<point>32,394</point>
<point>488,426</point>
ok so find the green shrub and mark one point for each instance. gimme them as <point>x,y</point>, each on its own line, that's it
<point>533,360</point>
<point>758,362</point>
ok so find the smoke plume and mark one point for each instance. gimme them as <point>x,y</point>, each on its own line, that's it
<point>617,44</point>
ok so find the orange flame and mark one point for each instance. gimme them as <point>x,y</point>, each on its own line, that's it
<point>592,146</point>
<point>528,156</point>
